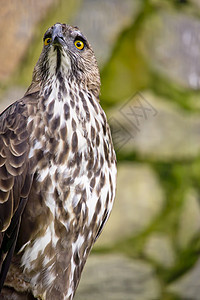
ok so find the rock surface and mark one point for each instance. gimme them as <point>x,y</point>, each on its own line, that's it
<point>17,23</point>
<point>103,21</point>
<point>114,277</point>
<point>189,222</point>
<point>159,248</point>
<point>188,287</point>
<point>172,41</point>
<point>138,201</point>
<point>155,128</point>
<point>196,3</point>
<point>10,96</point>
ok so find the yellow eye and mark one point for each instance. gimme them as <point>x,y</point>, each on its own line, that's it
<point>79,44</point>
<point>47,41</point>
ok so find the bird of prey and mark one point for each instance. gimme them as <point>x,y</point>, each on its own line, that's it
<point>57,172</point>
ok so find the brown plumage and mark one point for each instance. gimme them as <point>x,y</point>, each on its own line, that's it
<point>57,172</point>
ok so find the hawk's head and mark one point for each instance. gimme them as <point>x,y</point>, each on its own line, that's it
<point>68,55</point>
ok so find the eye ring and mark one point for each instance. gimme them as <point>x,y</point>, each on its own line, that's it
<point>47,41</point>
<point>79,44</point>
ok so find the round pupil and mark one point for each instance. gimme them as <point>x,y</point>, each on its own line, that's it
<point>48,40</point>
<point>79,44</point>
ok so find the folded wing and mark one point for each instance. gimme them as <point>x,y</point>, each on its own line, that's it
<point>15,179</point>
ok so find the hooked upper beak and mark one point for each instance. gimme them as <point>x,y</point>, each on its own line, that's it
<point>57,35</point>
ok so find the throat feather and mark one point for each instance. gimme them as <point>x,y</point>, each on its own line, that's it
<point>58,62</point>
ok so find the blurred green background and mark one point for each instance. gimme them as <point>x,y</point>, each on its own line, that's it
<point>149,57</point>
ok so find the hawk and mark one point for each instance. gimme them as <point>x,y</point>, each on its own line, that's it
<point>57,172</point>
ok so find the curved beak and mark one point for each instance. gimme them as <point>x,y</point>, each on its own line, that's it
<point>57,35</point>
